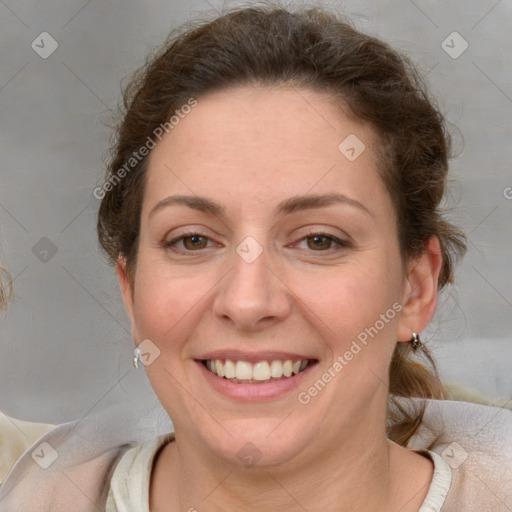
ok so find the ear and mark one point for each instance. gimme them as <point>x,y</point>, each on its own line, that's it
<point>125,285</point>
<point>419,299</point>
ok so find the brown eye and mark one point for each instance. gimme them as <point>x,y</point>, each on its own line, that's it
<point>319,242</point>
<point>194,242</point>
<point>323,242</point>
<point>188,242</point>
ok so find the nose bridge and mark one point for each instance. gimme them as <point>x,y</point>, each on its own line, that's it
<point>251,292</point>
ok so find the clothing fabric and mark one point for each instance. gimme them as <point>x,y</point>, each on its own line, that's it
<point>15,437</point>
<point>129,488</point>
<point>440,485</point>
<point>474,440</point>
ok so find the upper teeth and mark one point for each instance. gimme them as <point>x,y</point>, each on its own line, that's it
<point>262,370</point>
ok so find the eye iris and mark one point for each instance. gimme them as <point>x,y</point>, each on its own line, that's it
<point>195,240</point>
<point>324,242</point>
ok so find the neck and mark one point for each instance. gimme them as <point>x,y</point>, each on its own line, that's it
<point>352,475</point>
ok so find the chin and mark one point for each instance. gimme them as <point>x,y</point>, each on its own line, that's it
<point>259,443</point>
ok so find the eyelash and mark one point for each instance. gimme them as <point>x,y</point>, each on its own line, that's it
<point>341,244</point>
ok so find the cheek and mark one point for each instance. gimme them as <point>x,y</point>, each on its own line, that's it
<point>352,296</point>
<point>166,304</point>
<point>156,307</point>
<point>356,310</point>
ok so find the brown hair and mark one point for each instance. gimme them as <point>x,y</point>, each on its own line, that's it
<point>313,49</point>
<point>5,287</point>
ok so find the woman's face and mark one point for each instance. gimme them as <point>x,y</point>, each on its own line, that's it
<point>261,240</point>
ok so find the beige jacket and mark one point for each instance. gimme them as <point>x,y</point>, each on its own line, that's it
<point>15,437</point>
<point>70,467</point>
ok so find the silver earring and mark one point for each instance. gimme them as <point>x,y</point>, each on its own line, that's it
<point>136,357</point>
<point>415,341</point>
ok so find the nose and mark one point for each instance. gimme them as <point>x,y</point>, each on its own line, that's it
<point>252,296</point>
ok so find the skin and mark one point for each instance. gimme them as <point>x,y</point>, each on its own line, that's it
<point>248,149</point>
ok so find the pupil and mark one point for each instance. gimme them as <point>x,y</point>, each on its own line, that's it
<point>194,241</point>
<point>322,241</point>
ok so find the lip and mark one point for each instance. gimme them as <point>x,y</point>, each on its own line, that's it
<point>254,357</point>
<point>254,392</point>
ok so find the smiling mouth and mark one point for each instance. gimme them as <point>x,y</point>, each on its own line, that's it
<point>244,372</point>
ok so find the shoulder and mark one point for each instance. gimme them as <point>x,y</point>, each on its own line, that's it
<point>15,437</point>
<point>70,467</point>
<point>476,441</point>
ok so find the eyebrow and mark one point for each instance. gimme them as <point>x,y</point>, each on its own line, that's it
<point>291,205</point>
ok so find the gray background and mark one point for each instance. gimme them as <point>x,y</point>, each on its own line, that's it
<point>65,343</point>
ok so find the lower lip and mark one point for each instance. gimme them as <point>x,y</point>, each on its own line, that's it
<point>254,392</point>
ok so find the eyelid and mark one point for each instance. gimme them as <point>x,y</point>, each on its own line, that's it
<point>187,234</point>
<point>339,242</point>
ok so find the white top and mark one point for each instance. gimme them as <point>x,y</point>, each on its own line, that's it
<point>440,484</point>
<point>129,487</point>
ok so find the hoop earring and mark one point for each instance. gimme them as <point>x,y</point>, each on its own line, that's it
<point>136,357</point>
<point>415,342</point>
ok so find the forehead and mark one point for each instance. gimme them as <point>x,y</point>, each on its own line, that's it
<point>262,144</point>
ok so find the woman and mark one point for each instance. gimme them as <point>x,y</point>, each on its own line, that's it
<point>272,209</point>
